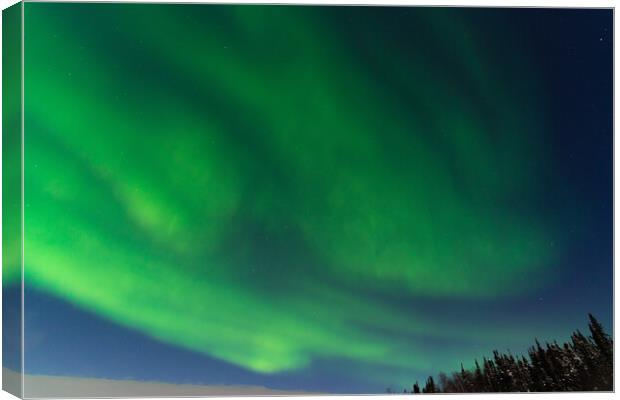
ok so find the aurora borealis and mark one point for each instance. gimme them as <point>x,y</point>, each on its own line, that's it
<point>277,187</point>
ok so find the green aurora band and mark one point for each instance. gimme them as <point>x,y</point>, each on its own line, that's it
<point>257,183</point>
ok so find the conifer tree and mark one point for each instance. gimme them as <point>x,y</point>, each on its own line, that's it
<point>430,386</point>
<point>582,364</point>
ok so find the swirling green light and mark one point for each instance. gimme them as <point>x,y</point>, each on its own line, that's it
<point>248,182</point>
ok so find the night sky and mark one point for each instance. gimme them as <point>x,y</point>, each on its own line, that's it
<point>333,199</point>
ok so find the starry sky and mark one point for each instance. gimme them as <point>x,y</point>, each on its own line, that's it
<point>331,199</point>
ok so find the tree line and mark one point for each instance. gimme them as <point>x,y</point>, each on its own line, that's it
<point>585,363</point>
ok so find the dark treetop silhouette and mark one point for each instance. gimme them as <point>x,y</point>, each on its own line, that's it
<point>583,364</point>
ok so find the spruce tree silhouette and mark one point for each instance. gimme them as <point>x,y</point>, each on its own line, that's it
<point>583,364</point>
<point>430,386</point>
